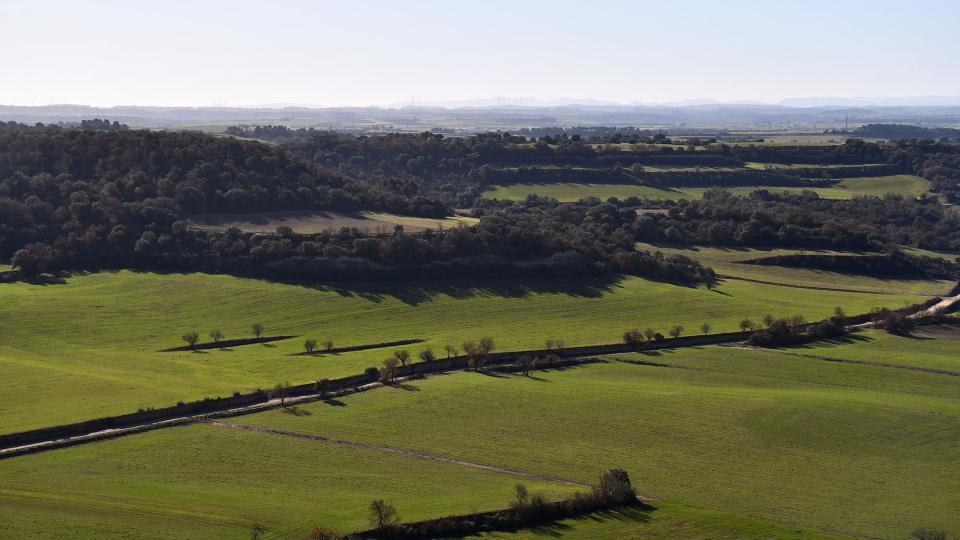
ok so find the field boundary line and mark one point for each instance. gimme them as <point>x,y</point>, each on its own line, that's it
<point>400,451</point>
<point>815,288</point>
<point>863,362</point>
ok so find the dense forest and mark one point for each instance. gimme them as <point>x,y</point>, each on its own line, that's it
<point>111,197</point>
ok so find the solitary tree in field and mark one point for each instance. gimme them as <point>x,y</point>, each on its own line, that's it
<point>676,331</point>
<point>389,370</point>
<point>403,356</point>
<point>486,347</point>
<point>649,333</point>
<point>328,345</point>
<point>257,329</point>
<point>191,338</point>
<point>216,335</point>
<point>383,515</point>
<point>525,364</point>
<point>281,391</point>
<point>427,355</point>
<point>310,345</point>
<point>705,328</point>
<point>632,337</point>
<point>451,350</point>
<point>256,531</point>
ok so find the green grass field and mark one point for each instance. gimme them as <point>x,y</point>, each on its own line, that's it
<point>841,448</point>
<point>729,262</point>
<point>930,347</point>
<point>732,442</point>
<point>902,184</point>
<point>88,347</point>
<point>212,482</point>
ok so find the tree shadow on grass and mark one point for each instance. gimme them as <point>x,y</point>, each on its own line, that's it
<point>333,402</point>
<point>297,411</point>
<point>834,341</point>
<point>402,386</point>
<point>413,292</point>
<point>639,513</point>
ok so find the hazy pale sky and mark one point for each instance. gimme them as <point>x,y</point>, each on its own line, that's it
<point>362,52</point>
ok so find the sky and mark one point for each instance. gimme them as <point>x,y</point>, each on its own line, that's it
<point>372,52</point>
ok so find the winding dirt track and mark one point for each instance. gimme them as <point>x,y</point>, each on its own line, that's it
<point>401,451</point>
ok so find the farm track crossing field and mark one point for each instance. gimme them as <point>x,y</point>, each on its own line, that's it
<point>732,442</point>
<point>902,184</point>
<point>88,347</point>
<point>752,433</point>
<point>209,482</point>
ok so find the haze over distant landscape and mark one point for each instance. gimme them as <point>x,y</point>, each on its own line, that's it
<point>240,53</point>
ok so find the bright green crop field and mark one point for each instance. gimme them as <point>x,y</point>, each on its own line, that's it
<point>88,347</point>
<point>732,443</point>
<point>842,448</point>
<point>212,482</point>
<point>877,186</point>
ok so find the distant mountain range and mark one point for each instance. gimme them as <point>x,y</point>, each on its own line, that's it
<point>484,115</point>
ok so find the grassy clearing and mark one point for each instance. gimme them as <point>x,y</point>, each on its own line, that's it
<point>316,222</point>
<point>211,482</point>
<point>88,348</point>
<point>877,186</point>
<point>728,262</point>
<point>842,448</point>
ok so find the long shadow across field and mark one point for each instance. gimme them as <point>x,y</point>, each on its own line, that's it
<point>414,293</point>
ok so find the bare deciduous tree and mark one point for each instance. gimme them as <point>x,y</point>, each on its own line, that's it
<point>676,331</point>
<point>427,355</point>
<point>257,329</point>
<point>191,338</point>
<point>403,356</point>
<point>632,337</point>
<point>389,370</point>
<point>216,335</point>
<point>451,350</point>
<point>281,391</point>
<point>705,328</point>
<point>310,345</point>
<point>383,515</point>
<point>328,345</point>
